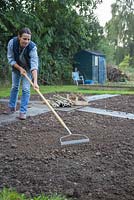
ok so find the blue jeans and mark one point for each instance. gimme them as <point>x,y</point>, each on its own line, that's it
<point>16,80</point>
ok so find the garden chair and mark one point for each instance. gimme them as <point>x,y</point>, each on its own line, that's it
<point>77,78</point>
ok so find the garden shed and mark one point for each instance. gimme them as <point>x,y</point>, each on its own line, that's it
<point>91,65</point>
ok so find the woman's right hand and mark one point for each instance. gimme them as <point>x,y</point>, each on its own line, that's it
<point>22,71</point>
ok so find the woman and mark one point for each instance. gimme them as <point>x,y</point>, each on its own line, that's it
<point>22,56</point>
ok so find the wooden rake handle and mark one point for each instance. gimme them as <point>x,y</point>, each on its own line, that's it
<point>48,104</point>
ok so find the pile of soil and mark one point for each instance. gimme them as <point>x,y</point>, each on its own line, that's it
<point>33,162</point>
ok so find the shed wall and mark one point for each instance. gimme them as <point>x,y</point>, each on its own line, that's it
<point>91,66</point>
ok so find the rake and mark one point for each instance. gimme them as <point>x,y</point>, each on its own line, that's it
<point>68,139</point>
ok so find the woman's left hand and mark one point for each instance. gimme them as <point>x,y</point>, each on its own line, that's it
<point>35,86</point>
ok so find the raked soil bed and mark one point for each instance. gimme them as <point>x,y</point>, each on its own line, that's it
<point>33,162</point>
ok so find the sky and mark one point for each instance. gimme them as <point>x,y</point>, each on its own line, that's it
<point>103,11</point>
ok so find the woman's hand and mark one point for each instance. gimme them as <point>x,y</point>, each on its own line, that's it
<point>22,71</point>
<point>35,85</point>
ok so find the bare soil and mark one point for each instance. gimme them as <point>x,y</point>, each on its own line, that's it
<point>33,162</point>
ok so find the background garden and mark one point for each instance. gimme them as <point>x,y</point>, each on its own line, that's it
<point>61,28</point>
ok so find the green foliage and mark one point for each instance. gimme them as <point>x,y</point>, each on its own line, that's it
<point>125,66</point>
<point>120,53</point>
<point>55,197</point>
<point>5,69</point>
<point>125,63</point>
<point>108,49</point>
<point>120,30</point>
<point>8,194</point>
<point>130,72</point>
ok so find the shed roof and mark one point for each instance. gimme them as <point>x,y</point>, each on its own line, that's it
<point>94,52</point>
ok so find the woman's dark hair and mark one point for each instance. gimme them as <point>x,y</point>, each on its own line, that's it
<point>24,30</point>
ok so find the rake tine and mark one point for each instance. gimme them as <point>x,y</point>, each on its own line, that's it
<point>84,139</point>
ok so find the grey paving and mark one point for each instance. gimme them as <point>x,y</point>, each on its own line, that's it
<point>98,97</point>
<point>38,107</point>
<point>107,112</point>
<point>34,108</point>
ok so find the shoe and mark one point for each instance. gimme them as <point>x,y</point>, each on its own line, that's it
<point>9,111</point>
<point>22,116</point>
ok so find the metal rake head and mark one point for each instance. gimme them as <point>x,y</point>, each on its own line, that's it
<point>74,139</point>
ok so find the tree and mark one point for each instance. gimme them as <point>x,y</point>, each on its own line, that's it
<point>120,28</point>
<point>125,63</point>
<point>108,49</point>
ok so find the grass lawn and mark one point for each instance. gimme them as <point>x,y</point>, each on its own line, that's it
<point>5,91</point>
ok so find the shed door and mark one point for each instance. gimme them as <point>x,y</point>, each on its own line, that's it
<point>102,70</point>
<point>95,68</point>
